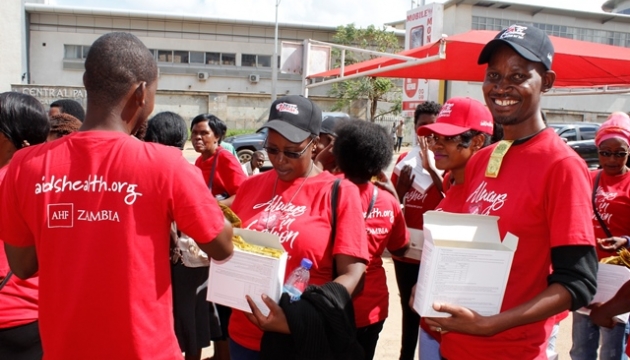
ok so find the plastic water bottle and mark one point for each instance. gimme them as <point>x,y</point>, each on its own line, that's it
<point>298,280</point>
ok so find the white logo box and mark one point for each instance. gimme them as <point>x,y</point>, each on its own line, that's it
<point>246,273</point>
<point>464,262</point>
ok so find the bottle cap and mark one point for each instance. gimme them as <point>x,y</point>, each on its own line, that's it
<point>306,263</point>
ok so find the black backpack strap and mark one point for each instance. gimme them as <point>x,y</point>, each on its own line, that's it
<point>6,279</point>
<point>333,233</point>
<point>213,169</point>
<point>372,202</point>
<point>599,218</point>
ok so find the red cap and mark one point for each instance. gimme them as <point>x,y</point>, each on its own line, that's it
<point>458,115</point>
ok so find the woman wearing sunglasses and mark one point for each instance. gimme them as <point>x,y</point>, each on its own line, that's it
<point>462,127</point>
<point>611,208</point>
<point>294,203</point>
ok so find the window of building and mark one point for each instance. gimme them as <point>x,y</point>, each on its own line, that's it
<point>252,60</point>
<point>75,51</point>
<point>228,59</point>
<point>180,57</point>
<point>165,56</point>
<point>197,57</point>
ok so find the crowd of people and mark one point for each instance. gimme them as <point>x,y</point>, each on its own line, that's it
<point>108,232</point>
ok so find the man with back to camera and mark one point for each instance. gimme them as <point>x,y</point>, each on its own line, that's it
<point>67,106</point>
<point>92,212</point>
<point>540,189</point>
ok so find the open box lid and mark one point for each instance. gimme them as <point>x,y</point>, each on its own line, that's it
<point>260,238</point>
<point>466,231</point>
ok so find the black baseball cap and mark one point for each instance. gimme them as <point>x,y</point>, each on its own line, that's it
<point>329,124</point>
<point>528,41</point>
<point>295,118</point>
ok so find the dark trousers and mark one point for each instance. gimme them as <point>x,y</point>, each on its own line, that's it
<point>406,278</point>
<point>21,342</point>
<point>398,143</point>
<point>367,337</point>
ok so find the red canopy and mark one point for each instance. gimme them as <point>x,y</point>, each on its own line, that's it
<point>576,63</point>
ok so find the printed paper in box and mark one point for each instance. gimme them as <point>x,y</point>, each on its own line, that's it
<point>422,180</point>
<point>246,273</point>
<point>464,263</point>
<point>610,278</point>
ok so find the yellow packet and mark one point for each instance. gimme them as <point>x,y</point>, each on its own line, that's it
<point>496,158</point>
<point>241,244</point>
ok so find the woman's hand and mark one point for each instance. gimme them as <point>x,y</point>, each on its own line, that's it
<point>613,243</point>
<point>386,184</point>
<point>600,316</point>
<point>405,179</point>
<point>276,321</point>
<point>462,320</point>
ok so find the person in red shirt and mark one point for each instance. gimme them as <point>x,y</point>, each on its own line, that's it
<point>224,175</point>
<point>539,189</point>
<point>611,207</point>
<point>294,202</point>
<point>462,128</point>
<point>221,170</point>
<point>415,205</point>
<point>92,213</point>
<point>23,122</point>
<point>361,151</point>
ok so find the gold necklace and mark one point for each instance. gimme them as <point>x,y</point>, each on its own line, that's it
<point>278,215</point>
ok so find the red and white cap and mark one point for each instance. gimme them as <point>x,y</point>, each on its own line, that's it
<point>458,115</point>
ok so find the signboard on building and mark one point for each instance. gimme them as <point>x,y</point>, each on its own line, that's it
<point>423,26</point>
<point>48,94</point>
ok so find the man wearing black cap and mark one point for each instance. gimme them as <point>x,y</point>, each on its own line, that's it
<point>540,190</point>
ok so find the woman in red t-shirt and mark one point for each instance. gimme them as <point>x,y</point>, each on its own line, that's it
<point>611,207</point>
<point>294,203</point>
<point>23,122</point>
<point>457,134</point>
<point>224,175</point>
<point>361,151</point>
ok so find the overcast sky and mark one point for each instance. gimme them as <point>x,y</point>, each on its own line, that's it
<point>328,12</point>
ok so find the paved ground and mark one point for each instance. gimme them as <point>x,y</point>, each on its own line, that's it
<point>389,343</point>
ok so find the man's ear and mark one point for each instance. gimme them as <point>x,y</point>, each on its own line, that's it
<point>549,77</point>
<point>140,94</point>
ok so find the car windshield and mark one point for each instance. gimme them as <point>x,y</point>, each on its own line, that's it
<point>556,128</point>
<point>263,131</point>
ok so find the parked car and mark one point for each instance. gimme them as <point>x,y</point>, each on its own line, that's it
<point>581,138</point>
<point>246,144</point>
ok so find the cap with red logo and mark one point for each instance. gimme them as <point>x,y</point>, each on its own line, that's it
<point>458,115</point>
<point>295,118</point>
<point>528,41</point>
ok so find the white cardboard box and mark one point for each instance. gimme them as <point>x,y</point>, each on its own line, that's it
<point>246,273</point>
<point>463,263</point>
<point>416,240</point>
<point>610,278</point>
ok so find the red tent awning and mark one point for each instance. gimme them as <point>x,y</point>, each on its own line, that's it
<point>576,63</point>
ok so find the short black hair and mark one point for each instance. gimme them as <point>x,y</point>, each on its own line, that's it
<point>362,149</point>
<point>167,128</point>
<point>427,107</point>
<point>116,61</point>
<point>23,118</point>
<point>68,106</point>
<point>217,125</point>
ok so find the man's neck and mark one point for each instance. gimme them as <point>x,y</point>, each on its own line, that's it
<point>524,129</point>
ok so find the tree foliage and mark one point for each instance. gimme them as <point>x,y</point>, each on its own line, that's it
<point>371,88</point>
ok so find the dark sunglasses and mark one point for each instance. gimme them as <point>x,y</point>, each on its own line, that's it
<point>618,155</point>
<point>288,154</point>
<point>433,139</point>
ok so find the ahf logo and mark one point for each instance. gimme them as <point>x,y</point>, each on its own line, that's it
<point>290,108</point>
<point>60,215</point>
<point>446,110</point>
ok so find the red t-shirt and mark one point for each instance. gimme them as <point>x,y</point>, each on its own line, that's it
<point>542,196</point>
<point>299,212</point>
<point>613,205</point>
<point>416,204</point>
<point>18,298</point>
<point>454,199</point>
<point>228,175</point>
<point>385,228</point>
<point>98,207</point>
